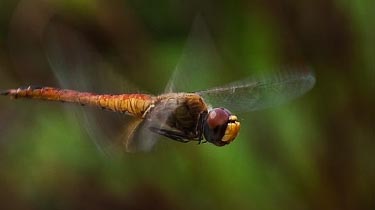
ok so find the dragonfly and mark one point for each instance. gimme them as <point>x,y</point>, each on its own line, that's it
<point>189,118</point>
<point>186,117</point>
<point>200,116</point>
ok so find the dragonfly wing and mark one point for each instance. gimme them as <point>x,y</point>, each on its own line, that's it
<point>77,65</point>
<point>136,137</point>
<point>255,94</point>
<point>199,58</point>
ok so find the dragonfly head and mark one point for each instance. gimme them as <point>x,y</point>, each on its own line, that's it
<point>221,127</point>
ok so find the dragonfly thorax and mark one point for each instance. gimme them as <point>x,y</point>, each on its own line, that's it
<point>221,127</point>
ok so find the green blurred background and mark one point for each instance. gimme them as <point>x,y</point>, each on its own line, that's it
<point>317,152</point>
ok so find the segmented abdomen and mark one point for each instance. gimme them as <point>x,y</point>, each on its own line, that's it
<point>134,104</point>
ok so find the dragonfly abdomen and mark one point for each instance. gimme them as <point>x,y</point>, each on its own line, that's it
<point>134,104</point>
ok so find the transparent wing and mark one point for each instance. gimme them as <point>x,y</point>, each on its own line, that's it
<point>254,94</point>
<point>200,67</point>
<point>139,136</point>
<point>78,65</point>
<point>199,61</point>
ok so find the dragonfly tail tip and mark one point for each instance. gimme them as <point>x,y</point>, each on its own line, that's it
<point>4,92</point>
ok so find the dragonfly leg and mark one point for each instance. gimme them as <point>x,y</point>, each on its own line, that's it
<point>177,136</point>
<point>199,127</point>
<point>201,141</point>
<point>147,110</point>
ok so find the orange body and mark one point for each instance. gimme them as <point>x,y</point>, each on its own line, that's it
<point>134,104</point>
<point>178,116</point>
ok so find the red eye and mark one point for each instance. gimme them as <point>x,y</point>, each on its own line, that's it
<point>216,126</point>
<point>217,117</point>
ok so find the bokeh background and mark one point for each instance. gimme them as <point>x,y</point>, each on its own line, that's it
<point>317,152</point>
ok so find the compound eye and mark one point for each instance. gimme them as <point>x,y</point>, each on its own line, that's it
<point>221,127</point>
<point>218,117</point>
<point>216,125</point>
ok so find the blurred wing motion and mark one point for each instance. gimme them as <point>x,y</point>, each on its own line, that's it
<point>199,57</point>
<point>255,94</point>
<point>78,65</point>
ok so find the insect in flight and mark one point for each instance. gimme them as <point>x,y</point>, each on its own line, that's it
<point>186,116</point>
<point>189,116</point>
